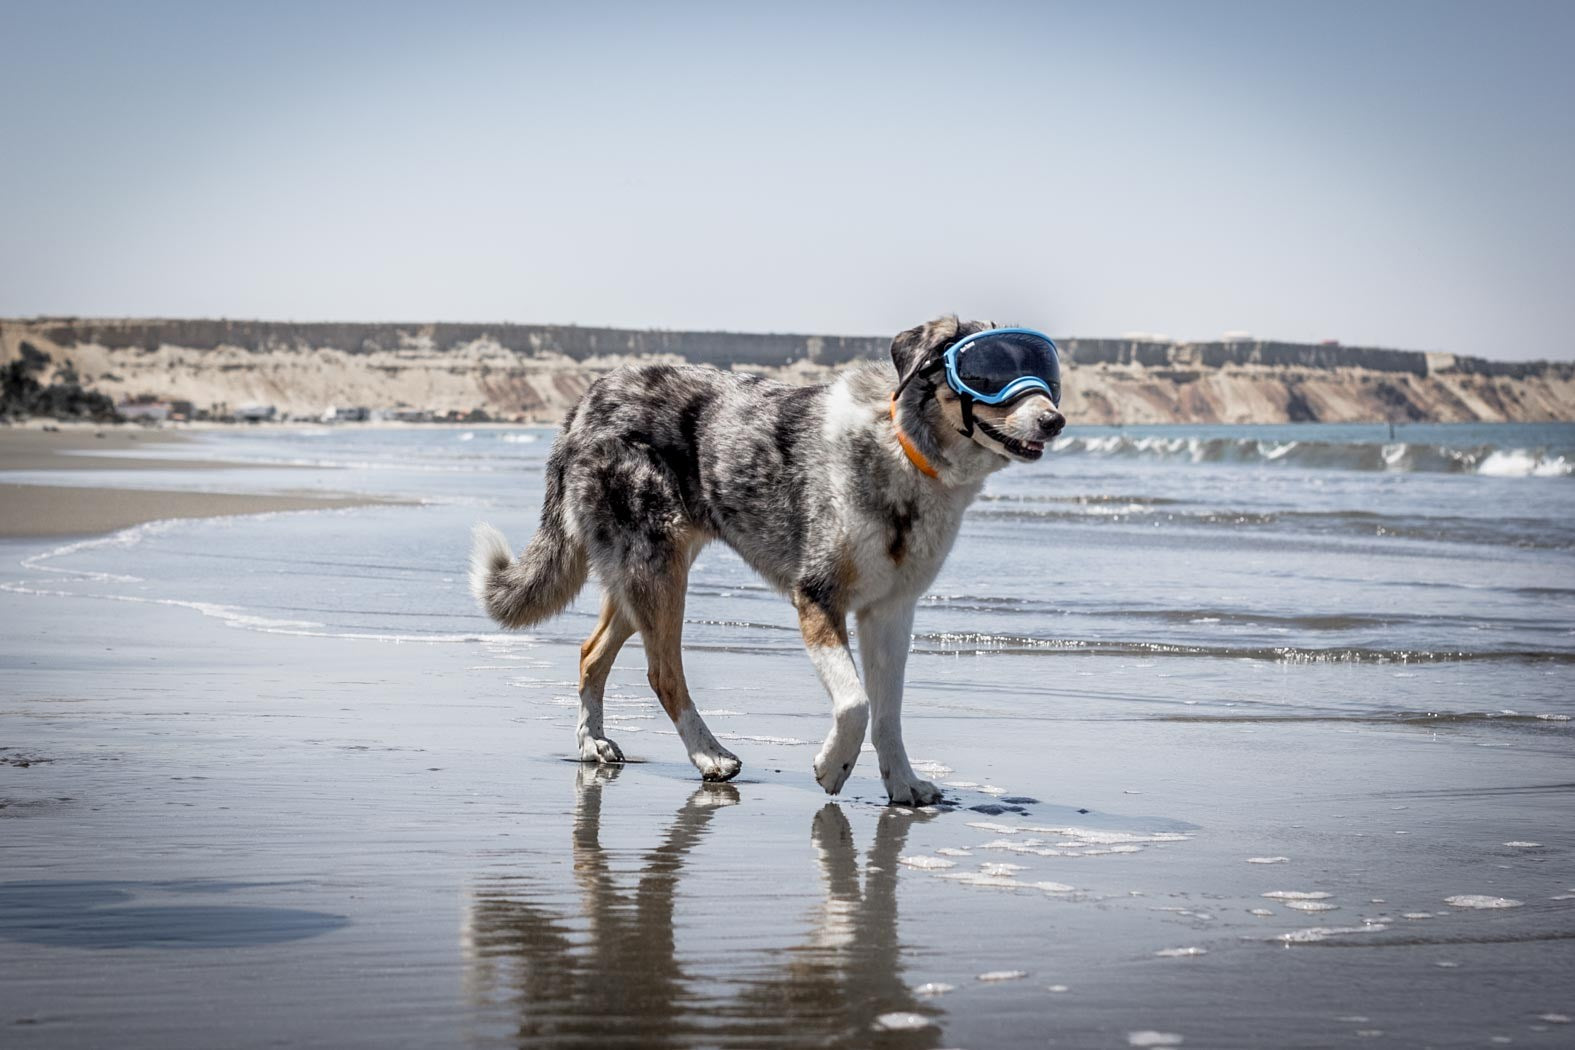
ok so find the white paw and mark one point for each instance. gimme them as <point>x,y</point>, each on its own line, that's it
<point>599,749</point>
<point>832,770</point>
<point>719,765</point>
<point>912,792</point>
<point>837,757</point>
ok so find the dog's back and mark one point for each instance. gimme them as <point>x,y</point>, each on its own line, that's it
<point>652,460</point>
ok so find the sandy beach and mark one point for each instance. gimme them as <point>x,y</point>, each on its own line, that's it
<point>272,781</point>
<point>62,510</point>
<point>37,445</point>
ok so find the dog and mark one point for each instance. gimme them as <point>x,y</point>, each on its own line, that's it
<point>845,497</point>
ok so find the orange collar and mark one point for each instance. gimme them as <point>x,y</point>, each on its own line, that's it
<point>914,455</point>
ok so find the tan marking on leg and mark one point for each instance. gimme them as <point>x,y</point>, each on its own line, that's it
<point>826,625</point>
<point>820,628</point>
<point>664,652</point>
<point>658,614</point>
<point>601,648</point>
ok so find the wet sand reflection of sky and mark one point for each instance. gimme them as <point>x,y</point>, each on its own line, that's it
<point>110,915</point>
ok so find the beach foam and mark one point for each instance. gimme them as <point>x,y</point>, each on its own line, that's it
<point>1323,933</point>
<point>1481,901</point>
<point>901,1022</point>
<point>930,988</point>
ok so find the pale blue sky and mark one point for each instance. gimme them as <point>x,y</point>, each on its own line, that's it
<point>1384,173</point>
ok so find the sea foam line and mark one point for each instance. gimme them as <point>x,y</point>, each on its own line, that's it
<point>231,616</point>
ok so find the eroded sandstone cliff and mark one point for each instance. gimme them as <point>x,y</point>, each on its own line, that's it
<point>533,372</point>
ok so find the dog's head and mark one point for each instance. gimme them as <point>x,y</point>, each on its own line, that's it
<point>1015,431</point>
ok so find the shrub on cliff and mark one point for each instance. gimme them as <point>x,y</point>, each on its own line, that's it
<point>22,395</point>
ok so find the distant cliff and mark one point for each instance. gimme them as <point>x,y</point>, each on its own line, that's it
<point>533,372</point>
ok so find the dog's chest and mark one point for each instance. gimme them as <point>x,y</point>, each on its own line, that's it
<point>899,548</point>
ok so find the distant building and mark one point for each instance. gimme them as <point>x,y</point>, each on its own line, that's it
<point>356,414</point>
<point>1236,337</point>
<point>144,411</point>
<point>255,413</point>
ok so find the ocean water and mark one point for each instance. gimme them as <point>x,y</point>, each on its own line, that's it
<point>1426,548</point>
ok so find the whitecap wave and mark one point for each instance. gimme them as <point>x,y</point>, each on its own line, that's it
<point>1397,457</point>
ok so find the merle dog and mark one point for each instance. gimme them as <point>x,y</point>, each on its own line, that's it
<point>841,496</point>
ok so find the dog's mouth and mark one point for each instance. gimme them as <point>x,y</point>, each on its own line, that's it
<point>1024,450</point>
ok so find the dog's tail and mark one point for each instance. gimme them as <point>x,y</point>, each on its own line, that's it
<point>547,576</point>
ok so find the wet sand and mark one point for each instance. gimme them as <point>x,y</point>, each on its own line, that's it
<point>55,510</point>
<point>58,510</point>
<point>81,447</point>
<point>221,837</point>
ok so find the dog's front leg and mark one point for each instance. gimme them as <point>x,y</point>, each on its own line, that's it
<point>885,634</point>
<point>826,637</point>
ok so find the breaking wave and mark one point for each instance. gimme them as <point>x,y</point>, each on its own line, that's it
<point>1394,457</point>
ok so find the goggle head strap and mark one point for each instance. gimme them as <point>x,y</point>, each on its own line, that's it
<point>917,369</point>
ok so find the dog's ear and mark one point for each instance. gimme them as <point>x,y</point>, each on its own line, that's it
<point>918,346</point>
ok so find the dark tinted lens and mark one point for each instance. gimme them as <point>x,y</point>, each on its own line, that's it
<point>989,364</point>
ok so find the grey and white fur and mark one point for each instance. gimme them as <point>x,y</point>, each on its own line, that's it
<point>813,489</point>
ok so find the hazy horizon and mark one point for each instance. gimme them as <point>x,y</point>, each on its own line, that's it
<point>1390,175</point>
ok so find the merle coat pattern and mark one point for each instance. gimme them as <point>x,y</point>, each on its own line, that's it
<point>810,485</point>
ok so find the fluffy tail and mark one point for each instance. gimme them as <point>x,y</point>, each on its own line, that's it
<point>546,577</point>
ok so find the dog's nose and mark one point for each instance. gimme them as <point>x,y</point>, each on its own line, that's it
<point>1050,423</point>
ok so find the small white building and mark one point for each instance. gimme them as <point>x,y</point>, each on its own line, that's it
<point>144,411</point>
<point>256,413</point>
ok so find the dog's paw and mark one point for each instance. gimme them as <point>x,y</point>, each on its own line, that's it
<point>722,765</point>
<point>912,792</point>
<point>837,757</point>
<point>599,749</point>
<point>832,772</point>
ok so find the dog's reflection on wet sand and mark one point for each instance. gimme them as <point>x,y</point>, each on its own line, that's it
<point>611,975</point>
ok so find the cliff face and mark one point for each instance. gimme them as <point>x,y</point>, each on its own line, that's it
<point>534,372</point>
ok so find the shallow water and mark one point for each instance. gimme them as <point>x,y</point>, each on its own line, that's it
<point>1161,680</point>
<point>1144,557</point>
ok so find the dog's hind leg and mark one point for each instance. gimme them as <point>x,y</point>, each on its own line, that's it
<point>657,607</point>
<point>823,623</point>
<point>596,660</point>
<point>885,634</point>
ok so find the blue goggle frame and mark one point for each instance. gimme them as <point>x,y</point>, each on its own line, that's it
<point>1016,387</point>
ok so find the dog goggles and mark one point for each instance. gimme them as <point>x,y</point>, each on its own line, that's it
<point>1000,364</point>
